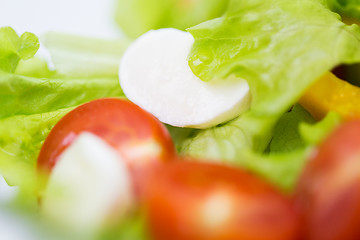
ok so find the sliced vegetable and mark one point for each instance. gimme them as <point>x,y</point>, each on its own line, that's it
<point>141,140</point>
<point>329,93</point>
<point>198,201</point>
<point>328,192</point>
<point>154,74</point>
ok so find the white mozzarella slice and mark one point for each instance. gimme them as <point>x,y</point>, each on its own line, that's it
<point>89,185</point>
<point>154,74</point>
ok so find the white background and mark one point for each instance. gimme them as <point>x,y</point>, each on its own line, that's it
<point>83,17</point>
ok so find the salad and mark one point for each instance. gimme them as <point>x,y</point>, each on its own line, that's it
<point>206,119</point>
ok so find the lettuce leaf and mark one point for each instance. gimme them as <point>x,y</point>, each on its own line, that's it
<point>134,227</point>
<point>21,138</point>
<point>286,136</point>
<point>136,17</point>
<point>280,166</point>
<point>78,56</point>
<point>280,47</point>
<point>35,98</point>
<point>13,48</point>
<point>314,134</point>
<point>228,145</point>
<point>34,67</point>
<point>347,8</point>
<point>179,135</point>
<point>21,95</point>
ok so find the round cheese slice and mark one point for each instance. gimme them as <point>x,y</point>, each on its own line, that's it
<point>154,74</point>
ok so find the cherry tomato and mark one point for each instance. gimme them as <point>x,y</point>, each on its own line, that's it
<point>141,140</point>
<point>328,192</point>
<point>202,201</point>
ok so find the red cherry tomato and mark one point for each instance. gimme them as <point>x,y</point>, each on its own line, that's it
<point>328,192</point>
<point>198,201</point>
<point>139,137</point>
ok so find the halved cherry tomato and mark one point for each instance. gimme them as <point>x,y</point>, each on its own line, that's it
<point>202,201</point>
<point>139,137</point>
<point>328,192</point>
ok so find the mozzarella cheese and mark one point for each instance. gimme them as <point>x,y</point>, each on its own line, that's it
<point>89,185</point>
<point>154,74</point>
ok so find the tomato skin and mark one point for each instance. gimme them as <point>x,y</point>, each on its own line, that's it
<point>201,201</point>
<point>141,140</point>
<point>328,192</point>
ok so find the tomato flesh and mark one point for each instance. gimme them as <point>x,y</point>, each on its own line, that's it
<point>198,201</point>
<point>328,192</point>
<point>141,140</point>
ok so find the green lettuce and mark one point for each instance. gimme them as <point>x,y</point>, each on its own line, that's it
<point>13,48</point>
<point>34,67</point>
<point>314,134</point>
<point>21,138</point>
<point>347,8</point>
<point>280,47</point>
<point>279,165</point>
<point>79,56</point>
<point>34,98</point>
<point>286,136</point>
<point>179,135</point>
<point>136,17</point>
<point>21,95</point>
<point>134,227</point>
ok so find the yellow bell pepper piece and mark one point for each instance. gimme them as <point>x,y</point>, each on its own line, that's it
<point>330,93</point>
